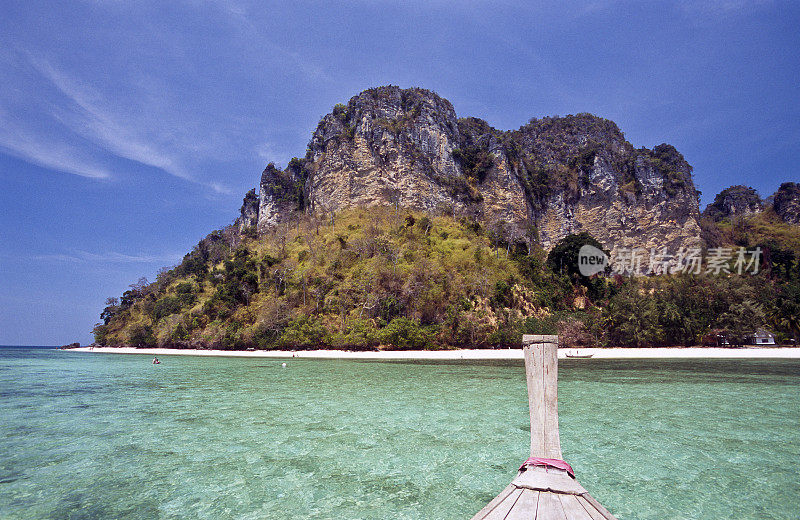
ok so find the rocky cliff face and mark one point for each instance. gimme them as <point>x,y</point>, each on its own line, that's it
<point>582,175</point>
<point>786,202</point>
<point>736,201</point>
<point>248,217</point>
<point>743,201</point>
<point>552,177</point>
<point>386,146</point>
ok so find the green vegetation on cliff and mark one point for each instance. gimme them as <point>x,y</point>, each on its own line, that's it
<point>383,278</point>
<point>370,277</point>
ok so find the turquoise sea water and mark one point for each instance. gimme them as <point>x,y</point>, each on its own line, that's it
<point>113,436</point>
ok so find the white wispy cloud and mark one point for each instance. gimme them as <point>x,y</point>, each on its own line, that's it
<point>220,188</point>
<point>79,256</point>
<point>45,152</point>
<point>86,126</point>
<point>40,144</point>
<point>267,152</point>
<point>241,20</point>
<point>97,122</point>
<point>595,6</point>
<point>719,7</point>
<point>702,8</point>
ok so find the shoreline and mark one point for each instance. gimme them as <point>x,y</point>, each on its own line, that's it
<point>469,354</point>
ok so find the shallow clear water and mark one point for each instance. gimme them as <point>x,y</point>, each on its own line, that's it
<point>112,436</point>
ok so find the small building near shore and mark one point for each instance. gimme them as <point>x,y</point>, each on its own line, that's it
<point>719,338</point>
<point>761,337</point>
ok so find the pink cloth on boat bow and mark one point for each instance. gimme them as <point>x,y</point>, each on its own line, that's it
<point>553,463</point>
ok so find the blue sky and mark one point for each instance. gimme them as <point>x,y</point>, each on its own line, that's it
<point>129,130</point>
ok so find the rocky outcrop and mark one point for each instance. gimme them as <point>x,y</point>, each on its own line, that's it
<point>280,194</point>
<point>552,177</point>
<point>736,201</point>
<point>743,201</point>
<point>786,202</point>
<point>387,146</point>
<point>582,175</point>
<point>248,215</point>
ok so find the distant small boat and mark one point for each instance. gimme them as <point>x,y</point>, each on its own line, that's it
<point>576,354</point>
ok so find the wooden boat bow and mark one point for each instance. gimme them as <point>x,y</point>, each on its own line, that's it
<point>544,488</point>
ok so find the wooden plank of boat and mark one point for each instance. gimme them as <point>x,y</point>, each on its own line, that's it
<point>598,506</point>
<point>594,514</point>
<point>534,372</point>
<point>589,508</point>
<point>550,508</point>
<point>552,441</point>
<point>503,508</point>
<point>545,488</point>
<point>573,508</point>
<point>540,478</point>
<point>528,501</point>
<point>488,508</point>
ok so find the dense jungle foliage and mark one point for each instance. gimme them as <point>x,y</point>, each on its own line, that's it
<point>383,278</point>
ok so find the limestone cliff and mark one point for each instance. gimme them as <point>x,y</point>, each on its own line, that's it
<point>743,201</point>
<point>736,201</point>
<point>248,217</point>
<point>786,202</point>
<point>552,177</point>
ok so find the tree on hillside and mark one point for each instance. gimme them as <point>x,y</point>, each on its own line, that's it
<point>141,336</point>
<point>140,287</point>
<point>112,308</point>
<point>741,320</point>
<point>563,258</point>
<point>785,312</point>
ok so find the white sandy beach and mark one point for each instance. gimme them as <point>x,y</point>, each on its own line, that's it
<point>474,354</point>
